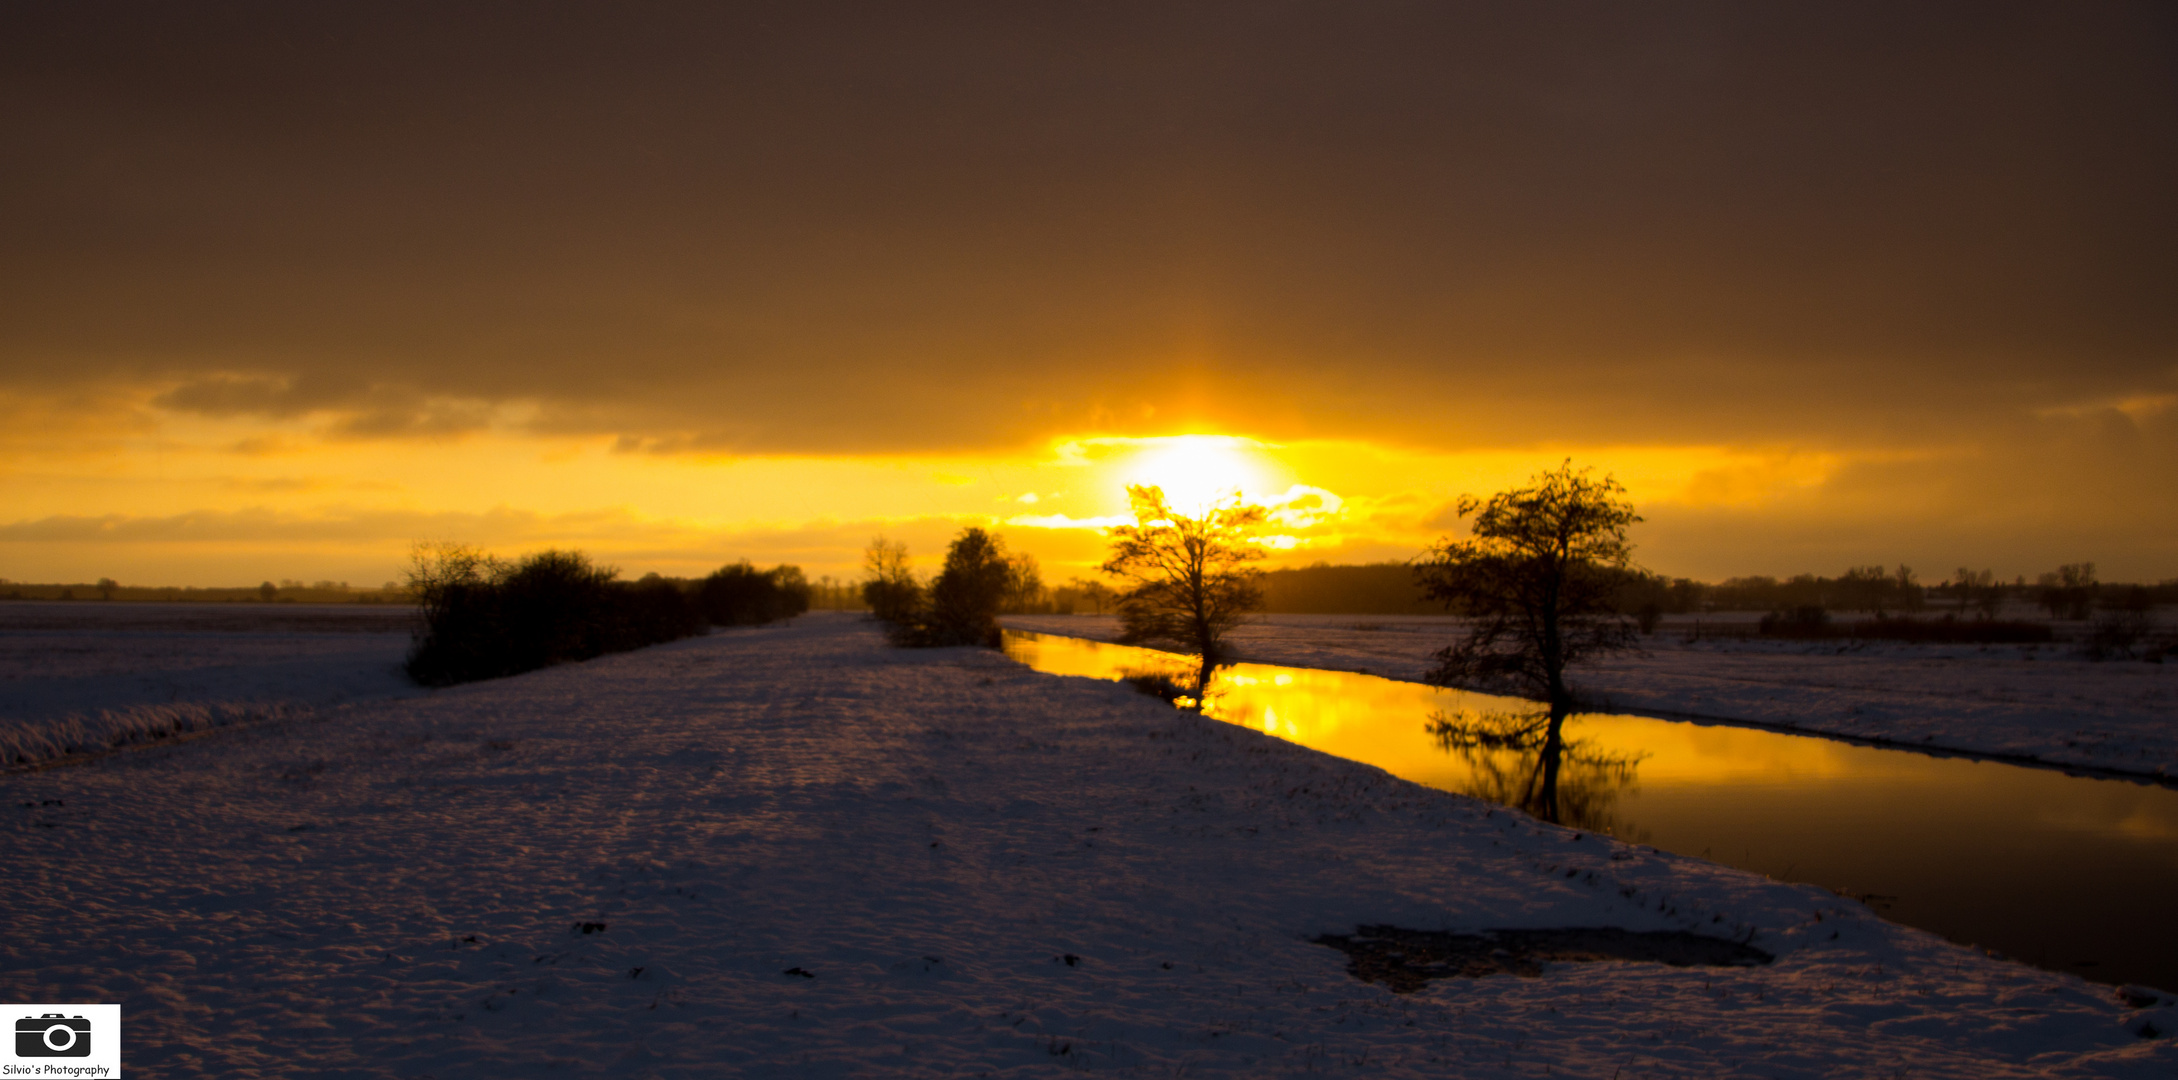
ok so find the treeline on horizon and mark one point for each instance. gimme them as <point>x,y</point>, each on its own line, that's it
<point>1388,588</point>
<point>1384,588</point>
<point>286,591</point>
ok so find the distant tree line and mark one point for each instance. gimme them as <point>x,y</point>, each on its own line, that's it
<point>1387,588</point>
<point>286,591</point>
<point>483,617</point>
<point>828,593</point>
<point>1862,588</point>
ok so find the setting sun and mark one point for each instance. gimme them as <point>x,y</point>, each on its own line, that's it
<point>1197,470</point>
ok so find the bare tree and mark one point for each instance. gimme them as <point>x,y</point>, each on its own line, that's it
<point>1190,582</point>
<point>888,584</point>
<point>1980,590</point>
<point>1539,578</point>
<point>1024,584</point>
<point>2069,593</point>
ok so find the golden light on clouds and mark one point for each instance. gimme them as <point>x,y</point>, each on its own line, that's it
<point>181,497</point>
<point>685,286</point>
<point>198,499</point>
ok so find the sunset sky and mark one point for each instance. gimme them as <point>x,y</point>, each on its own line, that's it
<point>285,287</point>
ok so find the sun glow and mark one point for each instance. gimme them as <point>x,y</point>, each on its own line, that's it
<point>1198,470</point>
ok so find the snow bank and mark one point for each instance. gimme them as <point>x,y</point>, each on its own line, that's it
<point>38,741</point>
<point>2042,703</point>
<point>87,677</point>
<point>794,852</point>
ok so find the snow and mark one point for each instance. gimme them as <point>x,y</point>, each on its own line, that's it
<point>82,678</point>
<point>609,869</point>
<point>2042,703</point>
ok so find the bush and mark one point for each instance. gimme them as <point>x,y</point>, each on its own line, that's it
<point>2116,633</point>
<point>741,595</point>
<point>965,600</point>
<point>661,610</point>
<point>1805,620</point>
<point>484,619</point>
<point>1814,623</point>
<point>1951,631</point>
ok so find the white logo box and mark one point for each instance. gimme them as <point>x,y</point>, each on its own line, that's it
<point>60,1040</point>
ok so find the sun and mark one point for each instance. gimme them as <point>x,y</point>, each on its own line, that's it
<point>1197,470</point>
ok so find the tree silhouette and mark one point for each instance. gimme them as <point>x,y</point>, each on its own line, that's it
<point>889,585</point>
<point>1024,584</point>
<point>2069,593</point>
<point>1539,578</point>
<point>1190,582</point>
<point>965,598</point>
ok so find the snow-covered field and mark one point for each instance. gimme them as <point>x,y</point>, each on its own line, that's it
<point>2044,703</point>
<point>795,852</point>
<point>79,678</point>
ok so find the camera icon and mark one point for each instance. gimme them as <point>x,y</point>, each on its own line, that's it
<point>52,1035</point>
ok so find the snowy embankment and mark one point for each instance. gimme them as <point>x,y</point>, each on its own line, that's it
<point>795,852</point>
<point>79,678</point>
<point>2043,703</point>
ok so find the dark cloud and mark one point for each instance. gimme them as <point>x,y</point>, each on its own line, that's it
<point>840,227</point>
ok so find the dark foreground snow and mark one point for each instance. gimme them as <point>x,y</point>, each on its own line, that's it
<point>607,869</point>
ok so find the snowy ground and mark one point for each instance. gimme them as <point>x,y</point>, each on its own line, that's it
<point>2045,703</point>
<point>84,677</point>
<point>610,869</point>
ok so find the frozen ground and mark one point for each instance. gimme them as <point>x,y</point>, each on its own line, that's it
<point>84,677</point>
<point>2045,703</point>
<point>794,852</point>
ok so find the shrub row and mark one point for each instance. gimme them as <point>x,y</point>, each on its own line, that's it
<point>484,619</point>
<point>742,595</point>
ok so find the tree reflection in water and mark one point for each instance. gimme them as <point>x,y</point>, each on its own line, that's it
<point>1193,687</point>
<point>1523,760</point>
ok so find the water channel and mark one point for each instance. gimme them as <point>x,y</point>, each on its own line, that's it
<point>2068,872</point>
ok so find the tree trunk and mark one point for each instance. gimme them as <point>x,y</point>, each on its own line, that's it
<point>1552,756</point>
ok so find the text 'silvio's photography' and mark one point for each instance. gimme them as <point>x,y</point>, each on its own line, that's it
<point>1479,540</point>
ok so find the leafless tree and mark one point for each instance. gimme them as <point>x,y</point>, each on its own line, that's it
<point>1189,578</point>
<point>888,584</point>
<point>1539,579</point>
<point>1024,584</point>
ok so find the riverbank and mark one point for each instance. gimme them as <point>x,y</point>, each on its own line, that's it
<point>2037,703</point>
<point>793,851</point>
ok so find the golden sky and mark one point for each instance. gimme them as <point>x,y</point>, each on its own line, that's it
<point>287,288</point>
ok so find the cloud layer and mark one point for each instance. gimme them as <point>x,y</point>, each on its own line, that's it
<point>1936,235</point>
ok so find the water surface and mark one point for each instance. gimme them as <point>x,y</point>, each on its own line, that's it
<point>2069,872</point>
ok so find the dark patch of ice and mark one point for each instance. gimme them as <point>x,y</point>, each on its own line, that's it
<point>1405,960</point>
